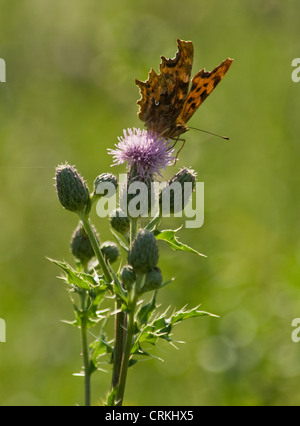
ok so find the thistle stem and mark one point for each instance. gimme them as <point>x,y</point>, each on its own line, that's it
<point>120,339</point>
<point>124,329</point>
<point>127,352</point>
<point>86,362</point>
<point>94,242</point>
<point>133,230</point>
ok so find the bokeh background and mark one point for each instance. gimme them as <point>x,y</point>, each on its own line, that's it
<point>70,92</point>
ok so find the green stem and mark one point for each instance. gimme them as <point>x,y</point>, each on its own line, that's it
<point>120,339</point>
<point>133,230</point>
<point>94,242</point>
<point>86,362</point>
<point>124,329</point>
<point>108,277</point>
<point>121,326</point>
<point>127,352</point>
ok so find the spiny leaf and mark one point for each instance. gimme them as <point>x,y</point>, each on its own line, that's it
<point>111,398</point>
<point>181,315</point>
<point>169,236</point>
<point>145,311</point>
<point>73,277</point>
<point>120,241</point>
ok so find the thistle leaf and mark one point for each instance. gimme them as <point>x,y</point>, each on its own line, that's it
<point>83,281</point>
<point>169,236</point>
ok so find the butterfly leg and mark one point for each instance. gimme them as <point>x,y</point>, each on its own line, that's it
<point>183,143</point>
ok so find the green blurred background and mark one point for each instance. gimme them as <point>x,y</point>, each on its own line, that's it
<point>70,92</point>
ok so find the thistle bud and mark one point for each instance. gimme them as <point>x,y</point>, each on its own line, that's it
<point>177,194</point>
<point>153,280</point>
<point>72,190</point>
<point>81,247</point>
<point>105,185</point>
<point>143,255</point>
<point>119,222</point>
<point>128,277</point>
<point>110,251</point>
<point>136,194</point>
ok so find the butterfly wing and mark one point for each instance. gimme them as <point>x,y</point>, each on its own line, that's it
<point>203,84</point>
<point>163,95</point>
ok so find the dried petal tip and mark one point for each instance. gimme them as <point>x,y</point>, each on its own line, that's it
<point>177,193</point>
<point>72,190</point>
<point>185,175</point>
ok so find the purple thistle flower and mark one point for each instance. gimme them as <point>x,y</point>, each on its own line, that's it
<point>148,152</point>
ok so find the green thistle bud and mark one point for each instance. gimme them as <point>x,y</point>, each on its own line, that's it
<point>119,222</point>
<point>109,190</point>
<point>176,195</point>
<point>110,251</point>
<point>128,277</point>
<point>143,255</point>
<point>136,194</point>
<point>72,190</point>
<point>153,280</point>
<point>80,245</point>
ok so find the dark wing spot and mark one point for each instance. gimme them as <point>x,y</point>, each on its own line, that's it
<point>183,86</point>
<point>203,95</point>
<point>217,80</point>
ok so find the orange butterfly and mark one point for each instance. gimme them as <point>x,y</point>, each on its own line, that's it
<point>166,103</point>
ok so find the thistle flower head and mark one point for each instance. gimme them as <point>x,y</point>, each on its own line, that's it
<point>72,190</point>
<point>147,152</point>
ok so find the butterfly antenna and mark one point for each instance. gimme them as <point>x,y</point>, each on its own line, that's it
<point>210,133</point>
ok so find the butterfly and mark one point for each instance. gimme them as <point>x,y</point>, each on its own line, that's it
<point>166,103</point>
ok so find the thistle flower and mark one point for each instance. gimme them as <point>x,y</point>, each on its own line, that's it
<point>147,152</point>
